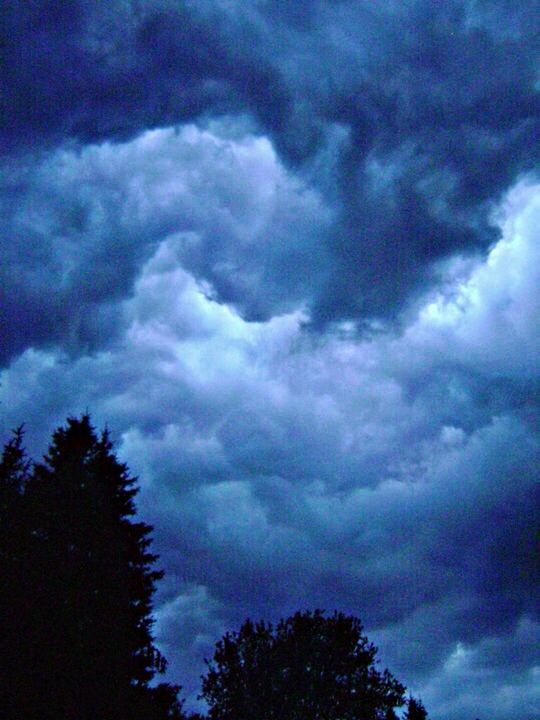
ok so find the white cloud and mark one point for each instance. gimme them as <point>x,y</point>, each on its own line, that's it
<point>489,319</point>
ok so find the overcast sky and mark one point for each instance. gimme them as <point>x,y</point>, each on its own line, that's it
<point>289,252</point>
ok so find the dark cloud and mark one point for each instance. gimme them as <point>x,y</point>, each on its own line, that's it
<point>212,214</point>
<point>435,108</point>
<point>96,72</point>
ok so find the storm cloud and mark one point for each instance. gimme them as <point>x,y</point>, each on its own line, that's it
<point>394,476</point>
<point>413,118</point>
<point>288,253</point>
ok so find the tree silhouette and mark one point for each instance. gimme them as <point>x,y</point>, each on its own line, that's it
<point>78,579</point>
<point>81,633</point>
<point>309,667</point>
<point>14,554</point>
<point>415,710</point>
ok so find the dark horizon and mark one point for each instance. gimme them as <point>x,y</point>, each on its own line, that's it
<point>288,253</point>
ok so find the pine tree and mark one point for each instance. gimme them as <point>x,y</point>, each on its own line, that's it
<point>14,545</point>
<point>86,630</point>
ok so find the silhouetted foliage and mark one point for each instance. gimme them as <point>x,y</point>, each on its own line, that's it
<point>78,579</point>
<point>307,667</point>
<point>415,710</point>
<point>14,556</point>
<point>76,637</point>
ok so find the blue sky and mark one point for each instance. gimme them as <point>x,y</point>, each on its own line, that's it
<point>289,253</point>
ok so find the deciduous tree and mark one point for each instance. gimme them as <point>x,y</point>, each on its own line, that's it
<point>308,667</point>
<point>415,710</point>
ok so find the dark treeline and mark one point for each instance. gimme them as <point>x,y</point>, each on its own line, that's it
<point>77,582</point>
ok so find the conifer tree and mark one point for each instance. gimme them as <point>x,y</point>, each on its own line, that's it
<point>89,578</point>
<point>14,545</point>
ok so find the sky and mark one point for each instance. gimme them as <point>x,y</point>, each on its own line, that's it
<point>289,253</point>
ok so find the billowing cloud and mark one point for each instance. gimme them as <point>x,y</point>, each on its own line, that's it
<point>394,476</point>
<point>288,251</point>
<point>411,118</point>
<point>80,225</point>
